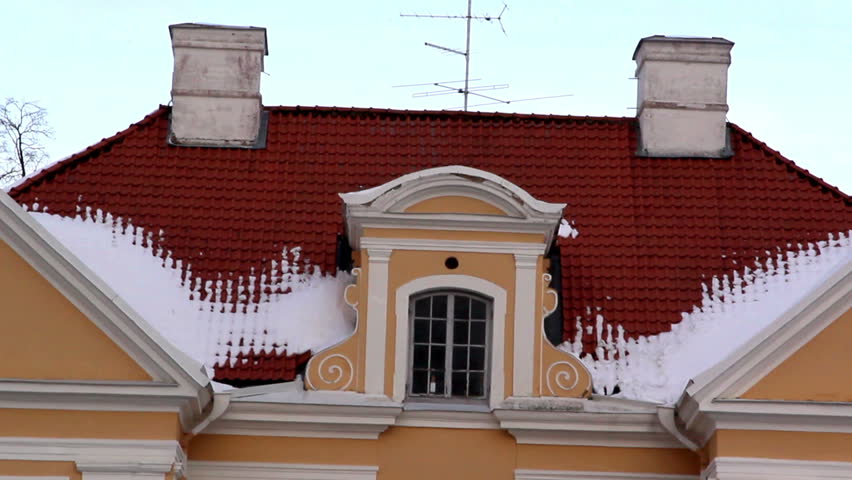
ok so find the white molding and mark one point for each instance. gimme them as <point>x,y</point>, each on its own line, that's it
<point>303,419</point>
<point>741,468</point>
<point>463,282</point>
<point>436,245</point>
<point>529,474</point>
<point>447,419</point>
<point>525,318</point>
<point>377,321</point>
<point>565,423</point>
<point>209,470</point>
<point>33,477</point>
<point>98,455</point>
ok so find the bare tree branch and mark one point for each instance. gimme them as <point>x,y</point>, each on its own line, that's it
<point>23,130</point>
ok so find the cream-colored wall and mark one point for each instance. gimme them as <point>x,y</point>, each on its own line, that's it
<point>47,337</point>
<point>454,204</point>
<point>421,453</point>
<point>27,468</point>
<point>819,371</point>
<point>18,422</point>
<point>781,445</point>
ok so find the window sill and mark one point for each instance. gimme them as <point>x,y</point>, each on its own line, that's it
<point>448,405</point>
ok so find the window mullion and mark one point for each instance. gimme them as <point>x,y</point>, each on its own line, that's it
<point>448,357</point>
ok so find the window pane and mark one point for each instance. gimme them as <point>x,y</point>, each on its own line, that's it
<point>421,331</point>
<point>439,306</point>
<point>421,307</point>
<point>459,385</point>
<point>419,381</point>
<point>477,333</point>
<point>477,309</point>
<point>436,382</point>
<point>460,332</point>
<point>477,358</point>
<point>461,307</point>
<point>439,331</point>
<point>437,360</point>
<point>477,384</point>
<point>421,356</point>
<point>459,358</point>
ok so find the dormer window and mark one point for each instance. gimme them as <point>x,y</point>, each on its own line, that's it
<point>449,352</point>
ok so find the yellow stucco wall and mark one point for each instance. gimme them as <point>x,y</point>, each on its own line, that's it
<point>819,371</point>
<point>27,468</point>
<point>47,336</point>
<point>454,204</point>
<point>18,422</point>
<point>781,445</point>
<point>421,453</point>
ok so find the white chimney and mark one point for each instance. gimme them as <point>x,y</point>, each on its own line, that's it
<point>216,85</point>
<point>682,98</point>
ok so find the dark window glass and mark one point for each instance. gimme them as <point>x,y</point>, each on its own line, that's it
<point>437,360</point>
<point>477,333</point>
<point>421,331</point>
<point>460,332</point>
<point>436,382</point>
<point>477,310</point>
<point>421,308</point>
<point>439,331</point>
<point>477,385</point>
<point>459,358</point>
<point>459,387</point>
<point>477,358</point>
<point>461,307</point>
<point>419,381</point>
<point>421,356</point>
<point>439,306</point>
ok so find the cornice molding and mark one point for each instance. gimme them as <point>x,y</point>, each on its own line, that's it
<point>524,249</point>
<point>529,474</point>
<point>208,470</point>
<point>737,468</point>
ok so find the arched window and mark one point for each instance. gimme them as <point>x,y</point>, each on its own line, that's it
<point>450,352</point>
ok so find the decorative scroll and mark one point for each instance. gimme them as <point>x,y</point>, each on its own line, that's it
<point>563,374</point>
<point>332,368</point>
<point>561,378</point>
<point>336,372</point>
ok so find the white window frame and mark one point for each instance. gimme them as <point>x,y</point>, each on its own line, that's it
<point>449,344</point>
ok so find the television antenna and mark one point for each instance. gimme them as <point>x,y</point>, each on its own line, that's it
<point>466,53</point>
<point>445,87</point>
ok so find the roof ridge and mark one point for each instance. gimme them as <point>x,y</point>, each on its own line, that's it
<point>452,113</point>
<point>801,171</point>
<point>62,164</point>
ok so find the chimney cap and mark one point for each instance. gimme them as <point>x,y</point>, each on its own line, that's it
<point>682,40</point>
<point>214,26</point>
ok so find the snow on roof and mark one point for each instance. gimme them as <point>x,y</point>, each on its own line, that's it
<point>297,310</point>
<point>734,308</point>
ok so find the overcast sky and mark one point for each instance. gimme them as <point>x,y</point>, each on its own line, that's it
<point>98,66</point>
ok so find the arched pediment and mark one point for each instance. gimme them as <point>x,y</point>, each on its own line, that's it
<point>450,197</point>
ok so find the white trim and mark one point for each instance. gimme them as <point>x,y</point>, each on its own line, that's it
<point>426,244</point>
<point>98,455</point>
<point>563,422</point>
<point>377,321</point>
<point>736,468</point>
<point>529,474</point>
<point>447,419</point>
<point>464,282</point>
<point>208,470</point>
<point>369,195</point>
<point>525,313</point>
<point>32,477</point>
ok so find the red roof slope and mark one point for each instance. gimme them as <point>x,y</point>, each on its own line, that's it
<point>651,229</point>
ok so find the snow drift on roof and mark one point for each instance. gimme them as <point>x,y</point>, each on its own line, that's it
<point>297,310</point>
<point>734,308</point>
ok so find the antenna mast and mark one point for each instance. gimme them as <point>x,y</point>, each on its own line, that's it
<point>466,52</point>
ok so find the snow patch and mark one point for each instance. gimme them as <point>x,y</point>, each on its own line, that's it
<point>734,308</point>
<point>284,308</point>
<point>567,229</point>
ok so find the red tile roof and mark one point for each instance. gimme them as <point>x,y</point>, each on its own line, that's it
<point>651,229</point>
